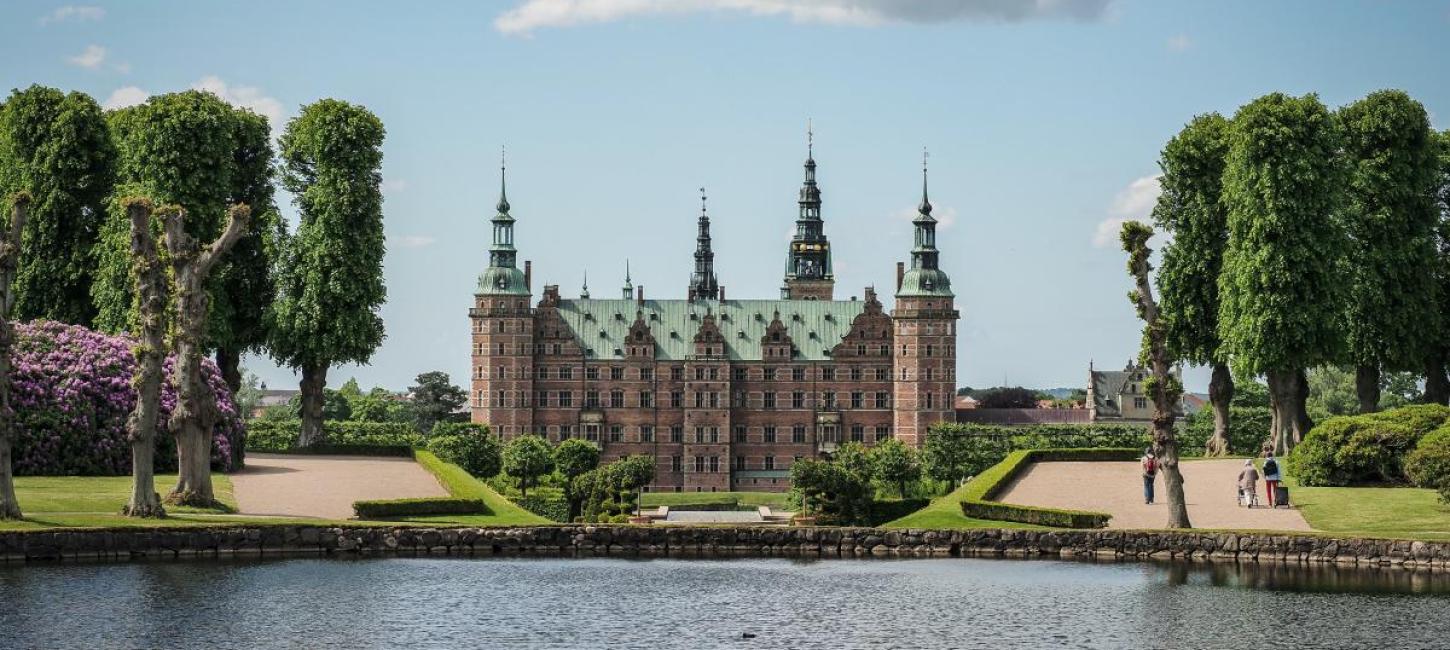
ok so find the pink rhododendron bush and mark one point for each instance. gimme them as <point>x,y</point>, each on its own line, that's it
<point>71,391</point>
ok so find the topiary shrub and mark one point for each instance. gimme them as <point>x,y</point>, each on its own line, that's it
<point>71,391</point>
<point>1370,448</point>
<point>1428,465</point>
<point>475,450</point>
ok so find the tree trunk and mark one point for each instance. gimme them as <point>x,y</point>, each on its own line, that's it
<point>150,354</point>
<point>1302,422</point>
<point>195,413</point>
<point>1437,384</point>
<point>229,362</point>
<point>1165,389</point>
<point>9,259</point>
<point>314,379</point>
<point>1220,395</point>
<point>1281,399</point>
<point>1367,387</point>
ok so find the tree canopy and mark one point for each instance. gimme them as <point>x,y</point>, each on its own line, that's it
<point>435,398</point>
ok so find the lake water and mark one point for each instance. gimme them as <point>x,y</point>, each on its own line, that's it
<point>666,603</point>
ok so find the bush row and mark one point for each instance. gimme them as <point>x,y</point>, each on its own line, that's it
<point>551,508</point>
<point>389,508</point>
<point>1429,464</point>
<point>281,435</point>
<point>1368,448</point>
<point>998,511</point>
<point>882,511</point>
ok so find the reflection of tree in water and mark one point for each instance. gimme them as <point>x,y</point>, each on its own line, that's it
<point>1313,578</point>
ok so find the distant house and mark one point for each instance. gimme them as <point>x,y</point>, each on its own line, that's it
<point>272,398</point>
<point>1118,395</point>
<point>1023,417</point>
<point>966,402</point>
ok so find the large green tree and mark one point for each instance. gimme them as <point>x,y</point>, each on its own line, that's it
<point>330,282</point>
<point>1394,311</point>
<point>193,150</point>
<point>1191,210</point>
<point>57,147</point>
<point>435,399</point>
<point>1437,384</point>
<point>9,251</point>
<point>1281,290</point>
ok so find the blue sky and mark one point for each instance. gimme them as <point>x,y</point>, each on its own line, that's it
<point>1044,120</point>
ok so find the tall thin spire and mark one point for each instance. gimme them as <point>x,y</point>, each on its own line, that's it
<point>628,289</point>
<point>925,278</point>
<point>810,141</point>
<point>925,207</point>
<point>584,292</point>
<point>808,273</point>
<point>703,283</point>
<point>503,275</point>
<point>503,195</point>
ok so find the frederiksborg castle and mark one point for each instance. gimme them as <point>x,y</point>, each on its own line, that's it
<point>725,393</point>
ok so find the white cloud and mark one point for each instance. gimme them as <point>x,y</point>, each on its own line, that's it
<point>244,96</point>
<point>73,12</point>
<point>91,58</point>
<point>123,97</point>
<point>1133,203</point>
<point>533,14</point>
<point>945,215</point>
<point>412,241</point>
<point>1179,43</point>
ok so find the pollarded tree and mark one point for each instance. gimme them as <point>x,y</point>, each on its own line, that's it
<point>150,351</point>
<point>527,458</point>
<point>1393,312</point>
<point>895,463</point>
<point>435,399</point>
<point>1437,384</point>
<point>57,147</point>
<point>573,457</point>
<point>1191,210</point>
<point>330,282</point>
<point>195,413</point>
<point>9,254</point>
<point>1162,386</point>
<point>1281,301</point>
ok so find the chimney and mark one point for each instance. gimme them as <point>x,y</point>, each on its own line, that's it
<point>529,275</point>
<point>639,295</point>
<point>722,293</point>
<point>900,273</point>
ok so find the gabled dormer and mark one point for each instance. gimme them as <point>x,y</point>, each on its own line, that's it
<point>870,334</point>
<point>640,342</point>
<point>709,342</point>
<point>776,343</point>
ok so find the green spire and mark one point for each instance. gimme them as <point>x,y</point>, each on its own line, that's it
<point>925,278</point>
<point>503,275</point>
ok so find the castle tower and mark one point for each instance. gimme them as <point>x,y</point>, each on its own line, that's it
<point>925,336</point>
<point>808,273</point>
<point>503,333</point>
<point>703,283</point>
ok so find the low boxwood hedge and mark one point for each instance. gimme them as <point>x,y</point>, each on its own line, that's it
<point>998,511</point>
<point>551,508</point>
<point>281,435</point>
<point>389,508</point>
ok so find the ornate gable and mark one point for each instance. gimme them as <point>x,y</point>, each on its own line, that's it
<point>776,343</point>
<point>870,331</point>
<point>639,343</point>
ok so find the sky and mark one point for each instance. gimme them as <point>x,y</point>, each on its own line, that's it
<point>1044,119</point>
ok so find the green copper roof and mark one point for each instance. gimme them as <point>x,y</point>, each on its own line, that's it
<point>925,282</point>
<point>815,326</point>
<point>502,280</point>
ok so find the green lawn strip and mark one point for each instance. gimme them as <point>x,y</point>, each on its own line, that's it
<point>102,494</point>
<point>461,484</point>
<point>776,500</point>
<point>1397,512</point>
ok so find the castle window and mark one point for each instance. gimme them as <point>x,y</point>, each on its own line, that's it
<point>677,433</point>
<point>858,433</point>
<point>616,399</point>
<point>616,373</point>
<point>930,349</point>
<point>500,399</point>
<point>498,326</point>
<point>770,433</point>
<point>828,373</point>
<point>700,464</point>
<point>566,372</point>
<point>770,462</point>
<point>500,349</point>
<point>739,463</point>
<point>591,373</point>
<point>646,433</point>
<point>556,348</point>
<point>646,374</point>
<point>543,372</point>
<point>699,373</point>
<point>566,399</point>
<point>855,373</point>
<point>675,465</point>
<point>884,350</point>
<point>798,374</point>
<point>591,399</point>
<point>830,400</point>
<point>740,374</point>
<point>714,400</point>
<point>929,374</point>
<point>616,433</point>
<point>903,349</point>
<point>798,434</point>
<point>883,433</point>
<point>930,401</point>
<point>740,433</point>
<point>860,349</point>
<point>1140,402</point>
<point>903,373</point>
<point>500,374</point>
<point>883,374</point>
<point>646,399</point>
<point>714,373</point>
<point>856,401</point>
<point>737,399</point>
<point>699,400</point>
<point>677,400</point>
<point>797,400</point>
<point>714,463</point>
<point>882,401</point>
<point>769,400</point>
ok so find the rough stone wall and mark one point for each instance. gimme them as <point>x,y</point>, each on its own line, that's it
<point>670,541</point>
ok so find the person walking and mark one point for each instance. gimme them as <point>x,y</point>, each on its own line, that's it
<point>1271,475</point>
<point>1248,483</point>
<point>1150,470</point>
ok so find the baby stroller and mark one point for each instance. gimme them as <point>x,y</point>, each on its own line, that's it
<point>1248,497</point>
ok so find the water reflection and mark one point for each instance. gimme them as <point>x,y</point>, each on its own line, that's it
<point>1307,578</point>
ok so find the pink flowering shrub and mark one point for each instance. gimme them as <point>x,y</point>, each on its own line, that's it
<point>71,391</point>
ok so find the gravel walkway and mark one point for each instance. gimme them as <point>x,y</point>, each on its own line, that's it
<point>326,486</point>
<point>1117,488</point>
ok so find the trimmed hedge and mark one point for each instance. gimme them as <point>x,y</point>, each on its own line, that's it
<point>471,447</point>
<point>880,512</point>
<point>281,435</point>
<point>553,509</point>
<point>997,511</point>
<point>1248,428</point>
<point>1359,449</point>
<point>990,483</point>
<point>1428,466</point>
<point>388,508</point>
<point>325,449</point>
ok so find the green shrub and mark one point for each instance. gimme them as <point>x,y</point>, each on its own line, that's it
<point>473,448</point>
<point>390,508</point>
<point>1428,465</point>
<point>957,451</point>
<point>281,435</point>
<point>880,512</point>
<point>1248,428</point>
<point>998,511</point>
<point>553,509</point>
<point>1357,449</point>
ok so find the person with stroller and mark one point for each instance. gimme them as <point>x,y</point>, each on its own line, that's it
<point>1271,475</point>
<point>1248,484</point>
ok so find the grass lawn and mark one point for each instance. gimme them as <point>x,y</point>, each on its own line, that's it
<point>773,499</point>
<point>463,485</point>
<point>1374,511</point>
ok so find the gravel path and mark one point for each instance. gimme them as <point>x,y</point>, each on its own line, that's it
<point>1117,489</point>
<point>326,486</point>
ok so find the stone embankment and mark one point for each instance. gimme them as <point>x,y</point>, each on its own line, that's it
<point>672,541</point>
